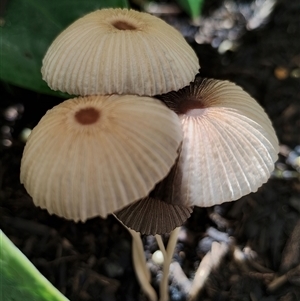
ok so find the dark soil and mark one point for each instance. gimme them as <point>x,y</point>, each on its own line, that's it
<point>92,261</point>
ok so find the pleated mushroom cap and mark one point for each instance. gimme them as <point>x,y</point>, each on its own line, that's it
<point>119,51</point>
<point>229,145</point>
<point>94,155</point>
<point>159,213</point>
<point>153,216</point>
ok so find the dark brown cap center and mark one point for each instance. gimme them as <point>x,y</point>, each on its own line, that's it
<point>189,104</point>
<point>87,116</point>
<point>123,25</point>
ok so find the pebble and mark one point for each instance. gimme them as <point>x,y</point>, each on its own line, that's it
<point>204,245</point>
<point>281,73</point>
<point>158,257</point>
<point>176,294</point>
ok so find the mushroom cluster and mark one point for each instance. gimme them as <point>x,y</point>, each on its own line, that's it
<point>107,148</point>
<point>117,149</point>
<point>145,139</point>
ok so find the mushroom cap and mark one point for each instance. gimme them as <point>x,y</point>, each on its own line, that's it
<point>229,145</point>
<point>153,216</point>
<point>159,213</point>
<point>94,155</point>
<point>119,51</point>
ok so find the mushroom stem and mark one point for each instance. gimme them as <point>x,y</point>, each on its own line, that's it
<point>140,266</point>
<point>138,251</point>
<point>168,255</point>
<point>210,261</point>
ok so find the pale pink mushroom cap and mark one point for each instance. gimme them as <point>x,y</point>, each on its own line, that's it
<point>229,145</point>
<point>119,51</point>
<point>90,156</point>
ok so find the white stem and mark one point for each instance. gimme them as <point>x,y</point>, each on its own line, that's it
<point>140,266</point>
<point>168,255</point>
<point>138,251</point>
<point>211,260</point>
<point>161,245</point>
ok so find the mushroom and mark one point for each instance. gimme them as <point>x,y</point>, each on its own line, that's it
<point>108,148</point>
<point>152,216</point>
<point>229,149</point>
<point>94,155</point>
<point>229,145</point>
<point>117,148</point>
<point>119,51</point>
<point>167,212</point>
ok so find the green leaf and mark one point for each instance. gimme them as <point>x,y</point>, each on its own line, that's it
<point>28,27</point>
<point>19,279</point>
<point>192,7</point>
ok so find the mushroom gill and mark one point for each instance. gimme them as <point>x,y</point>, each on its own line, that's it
<point>160,212</point>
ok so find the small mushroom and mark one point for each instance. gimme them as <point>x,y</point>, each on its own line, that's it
<point>119,51</point>
<point>94,155</point>
<point>152,216</point>
<point>229,145</point>
<point>166,210</point>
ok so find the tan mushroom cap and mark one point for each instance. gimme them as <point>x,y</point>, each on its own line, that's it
<point>159,213</point>
<point>229,145</point>
<point>94,155</point>
<point>119,51</point>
